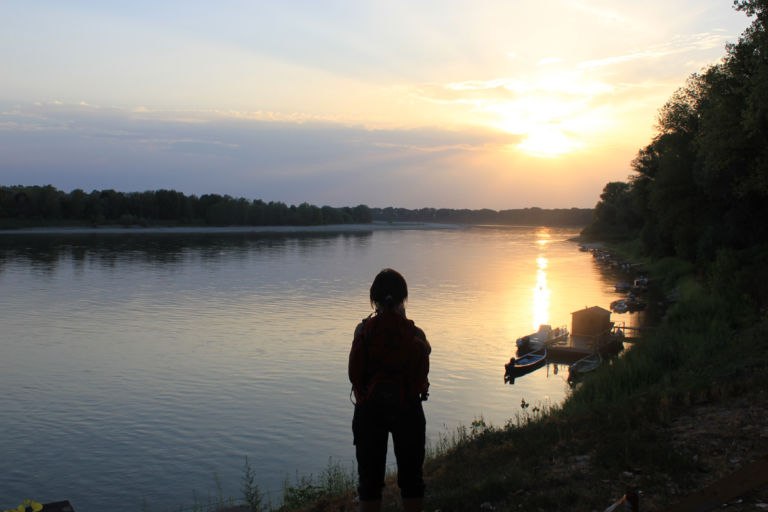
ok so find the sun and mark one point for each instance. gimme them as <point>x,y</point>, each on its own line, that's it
<point>545,124</point>
<point>548,142</point>
<point>553,114</point>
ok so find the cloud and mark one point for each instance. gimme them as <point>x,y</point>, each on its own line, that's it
<point>548,114</point>
<point>678,45</point>
<point>239,153</point>
<point>605,15</point>
<point>469,92</point>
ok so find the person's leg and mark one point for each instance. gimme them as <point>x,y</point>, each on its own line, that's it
<point>409,438</point>
<point>370,440</point>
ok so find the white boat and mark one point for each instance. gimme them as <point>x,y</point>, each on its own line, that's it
<point>544,337</point>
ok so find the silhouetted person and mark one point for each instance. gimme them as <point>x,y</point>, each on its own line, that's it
<point>388,367</point>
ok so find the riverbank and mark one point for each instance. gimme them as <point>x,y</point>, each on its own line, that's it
<point>664,446</point>
<point>687,406</point>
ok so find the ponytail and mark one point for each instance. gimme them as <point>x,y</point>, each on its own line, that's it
<point>388,290</point>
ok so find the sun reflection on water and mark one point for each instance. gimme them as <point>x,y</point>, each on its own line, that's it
<point>541,294</point>
<point>543,237</point>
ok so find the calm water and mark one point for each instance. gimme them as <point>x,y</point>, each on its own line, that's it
<point>147,366</point>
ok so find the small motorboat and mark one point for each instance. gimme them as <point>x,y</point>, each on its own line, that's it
<point>526,363</point>
<point>619,306</point>
<point>640,284</point>
<point>545,336</point>
<point>628,305</point>
<point>622,287</point>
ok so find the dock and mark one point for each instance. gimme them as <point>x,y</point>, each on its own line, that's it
<point>591,330</point>
<point>570,350</point>
<point>576,347</point>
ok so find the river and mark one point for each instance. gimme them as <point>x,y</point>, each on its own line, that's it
<point>139,369</point>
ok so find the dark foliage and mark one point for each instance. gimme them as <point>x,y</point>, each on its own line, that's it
<point>520,217</point>
<point>36,205</point>
<point>700,188</point>
<point>47,205</point>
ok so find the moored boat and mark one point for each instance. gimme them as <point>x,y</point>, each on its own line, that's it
<point>640,284</point>
<point>545,336</point>
<point>628,305</point>
<point>525,363</point>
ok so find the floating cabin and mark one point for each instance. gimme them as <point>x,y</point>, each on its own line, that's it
<point>590,327</point>
<point>594,322</point>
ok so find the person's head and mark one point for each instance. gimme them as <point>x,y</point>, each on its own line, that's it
<point>388,290</point>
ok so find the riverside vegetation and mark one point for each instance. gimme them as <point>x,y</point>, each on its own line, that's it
<point>683,407</point>
<point>687,404</point>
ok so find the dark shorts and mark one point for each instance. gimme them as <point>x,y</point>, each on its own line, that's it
<point>371,430</point>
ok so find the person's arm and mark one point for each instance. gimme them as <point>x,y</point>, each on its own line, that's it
<point>422,367</point>
<point>356,359</point>
<point>423,337</point>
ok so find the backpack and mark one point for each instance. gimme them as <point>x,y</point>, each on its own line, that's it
<point>389,362</point>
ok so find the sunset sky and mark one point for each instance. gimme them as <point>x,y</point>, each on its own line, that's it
<point>457,104</point>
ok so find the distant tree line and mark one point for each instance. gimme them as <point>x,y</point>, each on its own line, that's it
<point>699,191</point>
<point>522,217</point>
<point>45,205</point>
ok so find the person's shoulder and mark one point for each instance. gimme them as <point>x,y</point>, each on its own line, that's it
<point>359,327</point>
<point>421,336</point>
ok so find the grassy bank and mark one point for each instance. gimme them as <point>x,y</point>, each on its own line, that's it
<point>684,407</point>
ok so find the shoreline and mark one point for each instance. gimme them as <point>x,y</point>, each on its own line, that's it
<point>327,228</point>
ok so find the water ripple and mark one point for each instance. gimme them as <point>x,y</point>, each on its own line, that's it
<point>145,369</point>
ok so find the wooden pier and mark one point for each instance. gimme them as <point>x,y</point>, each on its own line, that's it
<point>571,349</point>
<point>591,330</point>
<point>576,347</point>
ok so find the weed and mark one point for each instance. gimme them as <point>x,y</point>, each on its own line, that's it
<point>251,493</point>
<point>301,492</point>
<point>219,490</point>
<point>335,480</point>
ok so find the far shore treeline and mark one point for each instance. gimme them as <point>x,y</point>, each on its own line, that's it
<point>521,216</point>
<point>45,205</point>
<point>24,206</point>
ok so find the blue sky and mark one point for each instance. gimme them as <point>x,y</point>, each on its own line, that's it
<point>445,104</point>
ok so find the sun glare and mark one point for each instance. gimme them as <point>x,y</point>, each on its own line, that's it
<point>548,142</point>
<point>554,113</point>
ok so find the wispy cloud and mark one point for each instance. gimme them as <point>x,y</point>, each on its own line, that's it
<point>605,15</point>
<point>679,45</point>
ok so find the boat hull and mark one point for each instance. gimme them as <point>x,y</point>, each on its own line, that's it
<point>525,364</point>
